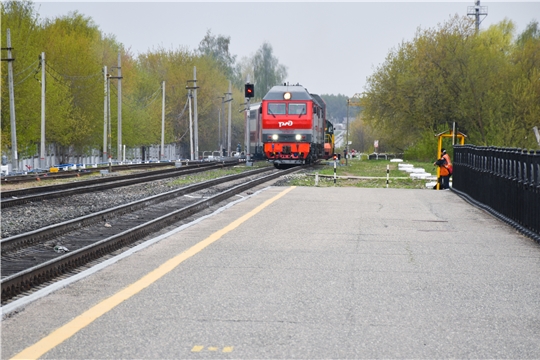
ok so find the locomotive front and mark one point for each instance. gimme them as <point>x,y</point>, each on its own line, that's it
<point>292,126</point>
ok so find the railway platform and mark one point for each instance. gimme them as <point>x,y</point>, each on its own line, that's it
<point>299,272</point>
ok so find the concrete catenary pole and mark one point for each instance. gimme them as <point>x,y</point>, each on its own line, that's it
<point>119,142</point>
<point>162,152</point>
<point>43,161</point>
<point>347,144</point>
<point>220,144</point>
<point>105,114</point>
<point>14,150</point>
<point>229,96</point>
<point>190,127</point>
<point>109,135</point>
<point>195,115</point>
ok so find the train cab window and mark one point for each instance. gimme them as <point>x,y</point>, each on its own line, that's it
<point>297,109</point>
<point>276,108</point>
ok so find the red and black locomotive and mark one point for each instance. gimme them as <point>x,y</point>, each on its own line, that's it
<point>294,128</point>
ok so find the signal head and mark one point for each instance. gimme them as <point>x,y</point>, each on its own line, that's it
<point>249,90</point>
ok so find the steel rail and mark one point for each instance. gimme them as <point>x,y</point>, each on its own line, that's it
<point>106,179</point>
<point>17,242</point>
<point>33,176</point>
<point>29,278</point>
<point>106,183</point>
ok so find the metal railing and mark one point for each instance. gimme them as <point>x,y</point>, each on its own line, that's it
<point>502,181</point>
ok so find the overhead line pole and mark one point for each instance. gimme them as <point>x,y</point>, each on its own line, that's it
<point>162,154</point>
<point>347,143</point>
<point>195,113</point>
<point>119,136</point>
<point>220,143</point>
<point>105,113</point>
<point>109,135</point>
<point>43,162</point>
<point>14,150</point>
<point>194,134</point>
<point>229,99</point>
<point>190,126</point>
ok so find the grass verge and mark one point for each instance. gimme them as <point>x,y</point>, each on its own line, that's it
<point>362,173</point>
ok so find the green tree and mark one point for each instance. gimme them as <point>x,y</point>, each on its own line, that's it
<point>452,74</point>
<point>20,17</point>
<point>217,47</point>
<point>74,66</point>
<point>336,108</point>
<point>267,70</point>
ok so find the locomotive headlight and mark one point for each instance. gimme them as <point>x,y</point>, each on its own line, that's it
<point>298,137</point>
<point>274,137</point>
<point>287,96</point>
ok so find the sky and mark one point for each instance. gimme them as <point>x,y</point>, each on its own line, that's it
<point>328,47</point>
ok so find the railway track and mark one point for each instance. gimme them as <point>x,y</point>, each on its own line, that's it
<point>33,194</point>
<point>47,176</point>
<point>39,257</point>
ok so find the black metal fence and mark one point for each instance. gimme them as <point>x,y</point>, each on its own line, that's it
<point>502,181</point>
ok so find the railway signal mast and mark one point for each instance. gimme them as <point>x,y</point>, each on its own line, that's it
<point>477,11</point>
<point>249,92</point>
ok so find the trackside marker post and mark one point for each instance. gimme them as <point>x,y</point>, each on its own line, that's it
<point>335,165</point>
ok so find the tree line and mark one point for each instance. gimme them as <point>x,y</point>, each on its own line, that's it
<point>487,82</point>
<point>76,52</point>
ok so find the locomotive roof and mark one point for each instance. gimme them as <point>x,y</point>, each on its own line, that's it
<point>298,93</point>
<point>319,101</point>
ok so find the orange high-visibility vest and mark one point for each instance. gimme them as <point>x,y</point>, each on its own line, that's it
<point>444,170</point>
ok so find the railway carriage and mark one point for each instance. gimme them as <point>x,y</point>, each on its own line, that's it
<point>294,126</point>
<point>253,127</point>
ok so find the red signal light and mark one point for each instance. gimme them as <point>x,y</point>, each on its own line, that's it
<point>249,91</point>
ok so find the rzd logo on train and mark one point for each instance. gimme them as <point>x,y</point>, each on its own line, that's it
<point>287,123</point>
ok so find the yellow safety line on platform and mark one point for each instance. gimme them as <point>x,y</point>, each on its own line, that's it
<point>71,328</point>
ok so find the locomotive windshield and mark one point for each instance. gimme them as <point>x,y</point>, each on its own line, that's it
<point>276,108</point>
<point>281,109</point>
<point>297,109</point>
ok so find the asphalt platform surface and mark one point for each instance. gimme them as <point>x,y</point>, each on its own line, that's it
<point>307,273</point>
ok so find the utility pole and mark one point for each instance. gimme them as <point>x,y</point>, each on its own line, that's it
<point>193,90</point>
<point>190,126</point>
<point>347,144</point>
<point>229,99</point>
<point>162,154</point>
<point>223,138</point>
<point>195,114</point>
<point>105,112</point>
<point>477,11</point>
<point>119,136</point>
<point>109,136</point>
<point>220,144</point>
<point>14,151</point>
<point>43,162</point>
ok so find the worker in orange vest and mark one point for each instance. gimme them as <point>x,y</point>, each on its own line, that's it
<point>446,169</point>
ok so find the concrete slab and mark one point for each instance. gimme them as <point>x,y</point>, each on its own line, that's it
<point>318,273</point>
